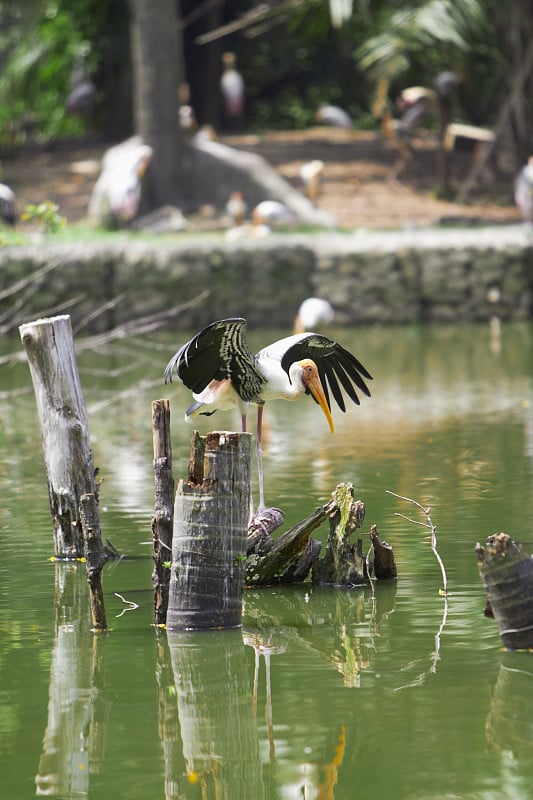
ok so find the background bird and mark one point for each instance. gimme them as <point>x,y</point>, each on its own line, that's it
<point>310,175</point>
<point>273,212</point>
<point>8,205</point>
<point>116,195</point>
<point>222,372</point>
<point>313,313</point>
<point>232,87</point>
<point>523,191</point>
<point>333,115</point>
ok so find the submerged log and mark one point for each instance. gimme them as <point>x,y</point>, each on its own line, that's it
<point>288,558</point>
<point>164,507</point>
<point>294,555</point>
<point>209,539</point>
<point>507,575</point>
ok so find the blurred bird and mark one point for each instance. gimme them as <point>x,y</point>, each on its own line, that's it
<point>273,212</point>
<point>187,118</point>
<point>80,100</point>
<point>416,102</point>
<point>236,208</point>
<point>523,191</point>
<point>8,206</point>
<point>313,313</point>
<point>232,87</point>
<point>222,372</point>
<point>310,174</point>
<point>116,195</point>
<point>334,116</point>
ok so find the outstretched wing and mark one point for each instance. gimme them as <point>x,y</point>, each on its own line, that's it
<point>218,352</point>
<point>336,365</point>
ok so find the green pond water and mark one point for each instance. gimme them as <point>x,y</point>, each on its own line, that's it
<point>323,693</point>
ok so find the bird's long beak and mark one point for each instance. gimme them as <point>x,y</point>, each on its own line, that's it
<point>314,385</point>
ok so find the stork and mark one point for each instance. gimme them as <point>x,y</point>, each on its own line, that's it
<point>222,372</point>
<point>313,312</point>
<point>232,86</point>
<point>334,116</point>
<point>523,191</point>
<point>8,204</point>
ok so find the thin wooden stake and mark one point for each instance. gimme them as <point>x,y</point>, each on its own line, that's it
<point>164,507</point>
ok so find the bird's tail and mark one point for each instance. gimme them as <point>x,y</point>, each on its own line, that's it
<point>195,409</point>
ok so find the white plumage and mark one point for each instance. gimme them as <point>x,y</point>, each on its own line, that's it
<point>333,115</point>
<point>8,205</point>
<point>222,372</point>
<point>523,191</point>
<point>313,313</point>
<point>273,212</point>
<point>117,193</point>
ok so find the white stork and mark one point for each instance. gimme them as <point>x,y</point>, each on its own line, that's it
<point>219,367</point>
<point>523,191</point>
<point>313,312</point>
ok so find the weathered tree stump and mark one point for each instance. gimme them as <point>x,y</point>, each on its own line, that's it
<point>294,554</point>
<point>164,507</point>
<point>384,564</point>
<point>209,540</point>
<point>64,425</point>
<point>507,575</point>
<point>343,563</point>
<point>72,488</point>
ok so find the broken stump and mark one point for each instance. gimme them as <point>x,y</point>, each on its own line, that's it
<point>209,538</point>
<point>507,575</point>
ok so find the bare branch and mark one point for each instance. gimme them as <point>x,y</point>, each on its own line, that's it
<point>427,524</point>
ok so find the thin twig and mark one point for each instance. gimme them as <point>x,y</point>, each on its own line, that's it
<point>431,527</point>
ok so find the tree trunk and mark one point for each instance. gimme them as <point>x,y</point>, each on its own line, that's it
<point>157,59</point>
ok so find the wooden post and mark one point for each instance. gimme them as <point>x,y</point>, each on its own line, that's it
<point>72,489</point>
<point>209,542</point>
<point>507,575</point>
<point>64,426</point>
<point>164,507</point>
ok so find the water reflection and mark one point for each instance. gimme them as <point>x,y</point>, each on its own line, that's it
<point>75,736</point>
<point>312,682</point>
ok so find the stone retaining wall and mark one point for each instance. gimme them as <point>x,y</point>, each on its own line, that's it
<point>387,277</point>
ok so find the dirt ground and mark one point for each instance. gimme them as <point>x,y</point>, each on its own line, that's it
<point>366,184</point>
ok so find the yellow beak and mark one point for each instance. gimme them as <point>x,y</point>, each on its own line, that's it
<point>315,387</point>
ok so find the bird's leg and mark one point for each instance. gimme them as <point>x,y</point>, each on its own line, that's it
<point>259,453</point>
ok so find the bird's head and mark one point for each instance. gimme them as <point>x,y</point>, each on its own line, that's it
<point>313,385</point>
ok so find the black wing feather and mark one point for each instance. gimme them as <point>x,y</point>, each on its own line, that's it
<point>334,364</point>
<point>218,352</point>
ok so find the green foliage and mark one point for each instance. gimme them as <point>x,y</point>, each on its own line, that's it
<point>45,215</point>
<point>438,26</point>
<point>39,48</point>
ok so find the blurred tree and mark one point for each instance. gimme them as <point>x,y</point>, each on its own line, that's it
<point>157,73</point>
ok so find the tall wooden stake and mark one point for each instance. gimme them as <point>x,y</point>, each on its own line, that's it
<point>68,456</point>
<point>164,507</point>
<point>209,542</point>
